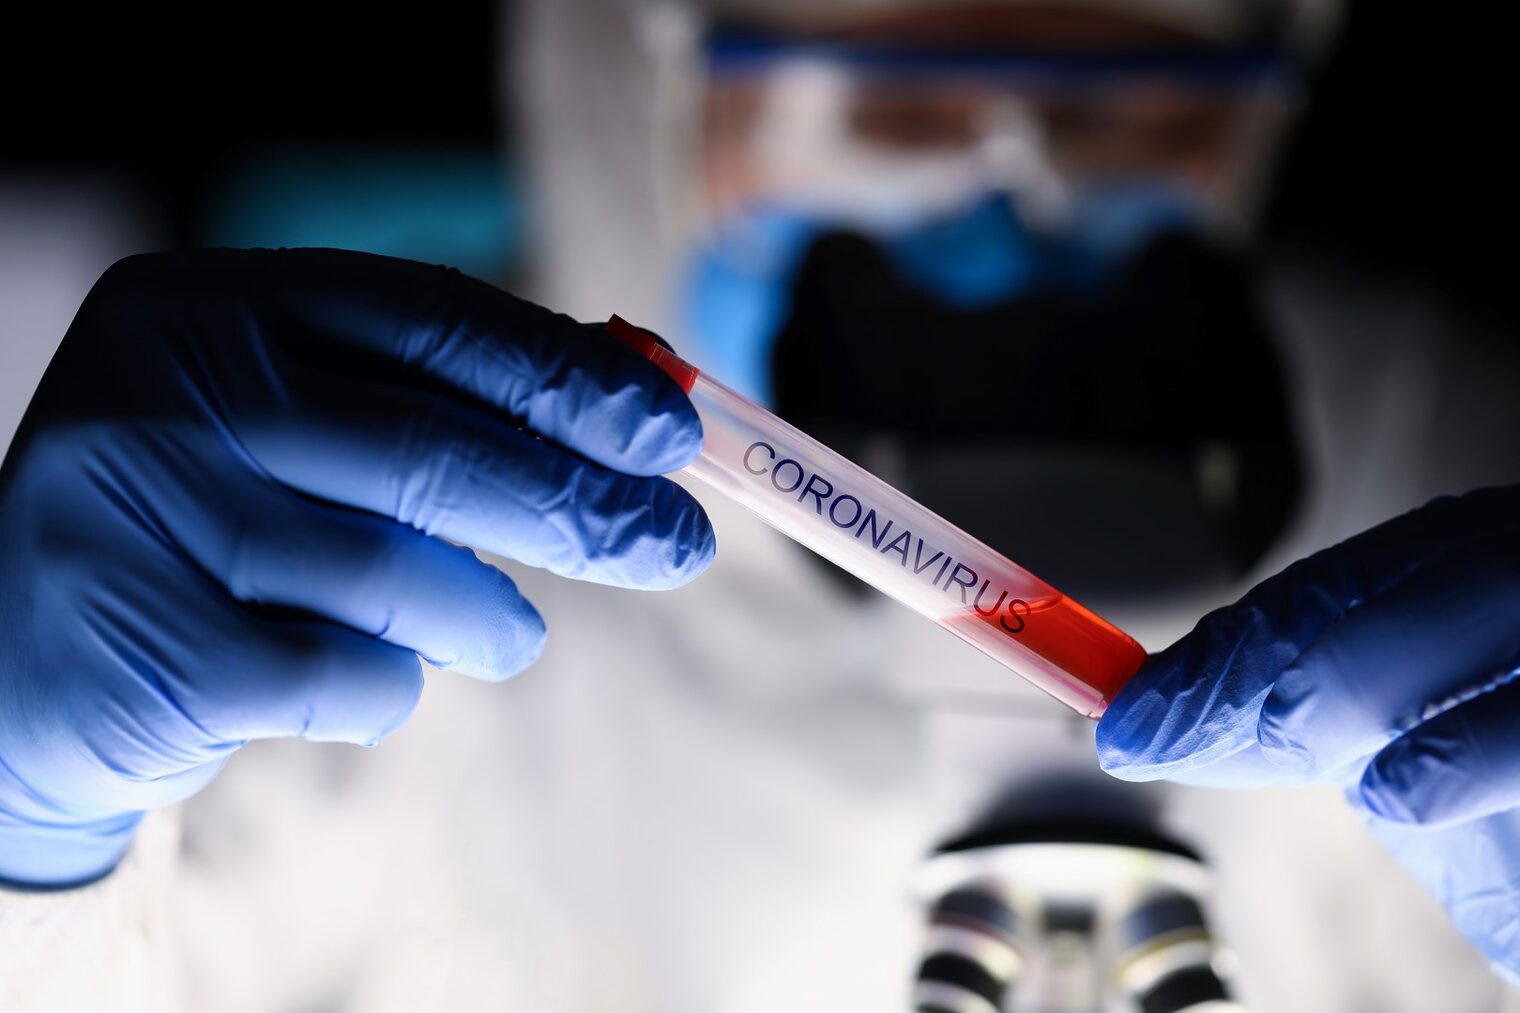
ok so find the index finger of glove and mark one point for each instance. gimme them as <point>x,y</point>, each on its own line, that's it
<point>434,327</point>
<point>1200,701</point>
<point>1443,633</point>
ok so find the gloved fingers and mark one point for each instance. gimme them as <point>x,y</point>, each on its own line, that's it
<point>308,679</point>
<point>569,382</point>
<point>1199,701</point>
<point>386,580</point>
<point>449,470</point>
<point>1473,869</point>
<point>1447,630</point>
<point>1196,703</point>
<point>1461,765</point>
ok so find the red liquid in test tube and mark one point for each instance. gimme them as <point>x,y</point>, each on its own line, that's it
<point>1070,637</point>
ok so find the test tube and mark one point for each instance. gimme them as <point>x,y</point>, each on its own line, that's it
<point>855,520</point>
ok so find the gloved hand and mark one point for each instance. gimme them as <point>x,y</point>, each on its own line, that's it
<point>1386,664</point>
<point>223,519</point>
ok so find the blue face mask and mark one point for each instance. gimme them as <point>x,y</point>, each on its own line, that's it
<point>735,293</point>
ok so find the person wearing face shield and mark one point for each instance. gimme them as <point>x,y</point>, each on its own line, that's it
<point>1016,236</point>
<point>711,799</point>
<point>1341,669</point>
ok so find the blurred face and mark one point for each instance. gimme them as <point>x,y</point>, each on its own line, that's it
<point>989,97</point>
<point>1036,194</point>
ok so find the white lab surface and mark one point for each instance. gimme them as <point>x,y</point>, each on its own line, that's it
<point>714,800</point>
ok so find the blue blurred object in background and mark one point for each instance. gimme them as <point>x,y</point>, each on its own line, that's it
<point>460,207</point>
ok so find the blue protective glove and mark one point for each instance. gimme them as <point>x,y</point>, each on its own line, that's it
<point>1386,664</point>
<point>223,519</point>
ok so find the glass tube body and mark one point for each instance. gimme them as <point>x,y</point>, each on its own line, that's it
<point>847,515</point>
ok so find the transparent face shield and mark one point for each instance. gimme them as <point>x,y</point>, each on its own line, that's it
<point>1091,139</point>
<point>882,132</point>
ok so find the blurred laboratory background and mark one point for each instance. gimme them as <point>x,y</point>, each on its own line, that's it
<point>1154,296</point>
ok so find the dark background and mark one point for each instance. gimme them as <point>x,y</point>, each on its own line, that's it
<point>173,100</point>
<point>1405,156</point>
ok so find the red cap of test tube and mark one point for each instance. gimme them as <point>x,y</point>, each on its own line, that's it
<point>645,343</point>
